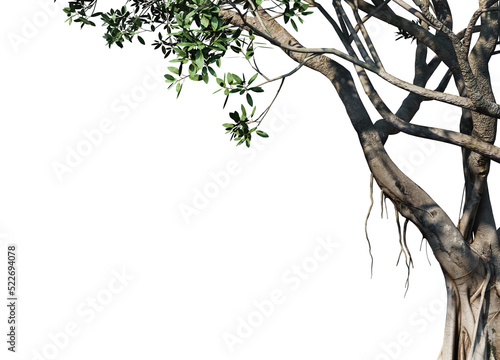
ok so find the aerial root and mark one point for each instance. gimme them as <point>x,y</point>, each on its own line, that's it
<point>482,292</point>
<point>461,203</point>
<point>400,237</point>
<point>383,203</point>
<point>404,248</point>
<point>410,259</point>
<point>426,253</point>
<point>366,225</point>
<point>405,227</point>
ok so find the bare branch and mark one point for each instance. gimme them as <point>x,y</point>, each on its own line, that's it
<point>472,22</point>
<point>442,135</point>
<point>341,14</point>
<point>376,10</point>
<point>293,71</point>
<point>366,36</point>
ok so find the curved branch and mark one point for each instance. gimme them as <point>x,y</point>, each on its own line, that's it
<point>442,135</point>
<point>447,136</point>
<point>488,107</point>
<point>411,103</point>
<point>453,253</point>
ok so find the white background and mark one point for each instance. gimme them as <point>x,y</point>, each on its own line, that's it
<point>191,283</point>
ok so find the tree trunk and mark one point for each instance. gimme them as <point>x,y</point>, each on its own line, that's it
<point>472,328</point>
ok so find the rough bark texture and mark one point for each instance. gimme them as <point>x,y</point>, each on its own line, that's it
<point>468,252</point>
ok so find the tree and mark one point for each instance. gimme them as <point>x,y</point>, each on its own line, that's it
<point>199,34</point>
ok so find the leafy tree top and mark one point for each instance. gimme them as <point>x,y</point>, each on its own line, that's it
<point>197,37</point>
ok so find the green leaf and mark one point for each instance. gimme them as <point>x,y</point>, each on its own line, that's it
<point>190,15</point>
<point>229,78</point>
<point>174,70</point>
<point>204,21</point>
<point>169,78</point>
<point>249,99</point>
<point>198,59</point>
<point>237,79</point>
<point>141,40</point>
<point>204,75</point>
<point>220,82</point>
<point>243,112</point>
<point>184,43</point>
<point>178,88</point>
<point>228,125</point>
<point>179,19</point>
<point>192,70</point>
<point>215,23</point>
<point>294,25</point>
<point>235,116</point>
<point>252,79</point>
<point>212,71</point>
<point>262,133</point>
<point>256,89</point>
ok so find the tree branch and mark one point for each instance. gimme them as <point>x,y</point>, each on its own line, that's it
<point>488,108</point>
<point>449,247</point>
<point>476,166</point>
<point>442,135</point>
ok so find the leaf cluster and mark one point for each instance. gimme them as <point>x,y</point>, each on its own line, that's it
<point>194,34</point>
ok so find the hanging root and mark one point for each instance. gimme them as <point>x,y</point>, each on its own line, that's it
<point>400,238</point>
<point>482,292</point>
<point>366,225</point>
<point>405,226</point>
<point>426,253</point>
<point>383,203</point>
<point>404,248</point>
<point>461,204</point>
<point>410,259</point>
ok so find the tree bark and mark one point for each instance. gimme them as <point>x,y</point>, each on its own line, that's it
<point>468,253</point>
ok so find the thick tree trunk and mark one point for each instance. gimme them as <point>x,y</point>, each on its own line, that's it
<point>472,328</point>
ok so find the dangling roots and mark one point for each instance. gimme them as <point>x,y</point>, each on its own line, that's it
<point>426,253</point>
<point>404,248</point>
<point>366,225</point>
<point>402,234</point>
